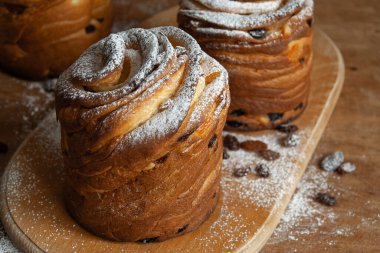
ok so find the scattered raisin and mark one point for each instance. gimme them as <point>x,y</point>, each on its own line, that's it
<point>231,142</point>
<point>162,159</point>
<point>302,60</point>
<point>90,28</point>
<point>241,172</point>
<point>353,68</point>
<point>287,128</point>
<point>214,195</point>
<point>235,124</point>
<point>262,170</point>
<point>100,20</point>
<point>3,148</point>
<point>275,116</point>
<point>212,141</point>
<point>254,146</point>
<point>258,33</point>
<point>185,136</point>
<point>346,168</point>
<point>332,161</point>
<point>292,140</point>
<point>238,112</point>
<point>182,229</point>
<point>269,155</point>
<point>225,154</point>
<point>326,199</point>
<point>149,240</point>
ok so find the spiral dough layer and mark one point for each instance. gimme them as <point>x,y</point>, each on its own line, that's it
<point>266,46</point>
<point>141,116</point>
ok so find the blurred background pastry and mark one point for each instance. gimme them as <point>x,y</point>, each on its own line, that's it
<point>266,46</point>
<point>41,38</point>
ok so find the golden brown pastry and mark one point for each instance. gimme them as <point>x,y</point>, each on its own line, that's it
<point>142,113</point>
<point>42,38</point>
<point>266,46</point>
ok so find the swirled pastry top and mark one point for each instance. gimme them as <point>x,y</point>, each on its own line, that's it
<point>235,18</point>
<point>138,86</point>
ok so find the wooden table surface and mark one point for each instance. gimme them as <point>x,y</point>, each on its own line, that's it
<point>354,128</point>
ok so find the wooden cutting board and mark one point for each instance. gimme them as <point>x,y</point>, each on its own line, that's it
<point>249,209</point>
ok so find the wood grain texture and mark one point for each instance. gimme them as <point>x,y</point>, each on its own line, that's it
<point>354,125</point>
<point>34,216</point>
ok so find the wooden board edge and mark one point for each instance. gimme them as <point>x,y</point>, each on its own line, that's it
<point>275,217</point>
<point>20,240</point>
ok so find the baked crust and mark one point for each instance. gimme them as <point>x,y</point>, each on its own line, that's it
<point>266,46</point>
<point>142,113</point>
<point>41,38</point>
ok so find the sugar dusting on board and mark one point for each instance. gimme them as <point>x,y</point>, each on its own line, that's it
<point>250,192</point>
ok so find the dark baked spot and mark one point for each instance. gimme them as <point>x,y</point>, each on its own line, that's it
<point>3,148</point>
<point>287,128</point>
<point>238,112</point>
<point>275,116</point>
<point>309,22</point>
<point>212,141</point>
<point>16,9</point>
<point>300,106</point>
<point>100,20</point>
<point>235,124</point>
<point>186,136</point>
<point>258,33</point>
<point>162,159</point>
<point>353,68</point>
<point>149,240</point>
<point>90,28</point>
<point>214,195</point>
<point>182,229</point>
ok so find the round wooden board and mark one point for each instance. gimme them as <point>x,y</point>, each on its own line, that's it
<point>35,218</point>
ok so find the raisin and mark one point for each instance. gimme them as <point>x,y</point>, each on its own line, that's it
<point>300,106</point>
<point>214,195</point>
<point>275,116</point>
<point>182,229</point>
<point>3,148</point>
<point>262,170</point>
<point>346,168</point>
<point>326,199</point>
<point>16,9</point>
<point>332,161</point>
<point>309,22</point>
<point>235,124</point>
<point>287,128</point>
<point>241,172</point>
<point>253,145</point>
<point>353,68</point>
<point>162,159</point>
<point>258,33</point>
<point>212,141</point>
<point>302,59</point>
<point>269,155</point>
<point>100,20</point>
<point>238,112</point>
<point>90,28</point>
<point>185,136</point>
<point>292,140</point>
<point>231,142</point>
<point>225,154</point>
<point>149,240</point>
